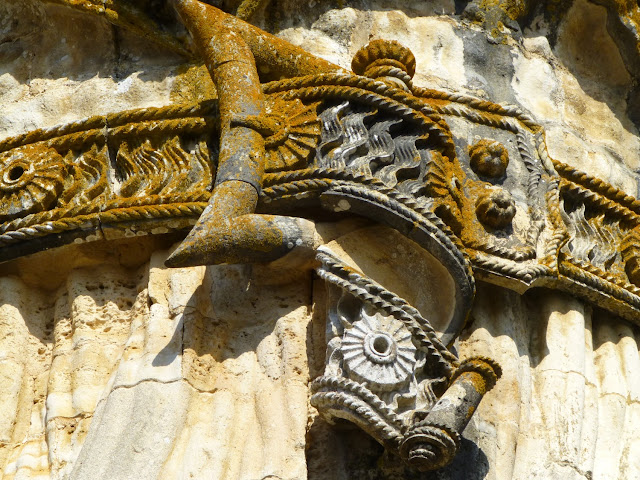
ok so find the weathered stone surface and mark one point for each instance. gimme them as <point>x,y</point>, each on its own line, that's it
<point>115,367</point>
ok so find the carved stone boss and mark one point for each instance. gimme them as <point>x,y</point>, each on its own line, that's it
<point>467,180</point>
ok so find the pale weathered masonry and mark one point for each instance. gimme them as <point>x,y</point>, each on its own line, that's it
<point>358,239</point>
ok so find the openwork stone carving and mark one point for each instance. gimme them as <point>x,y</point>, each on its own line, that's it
<point>322,141</point>
<point>388,372</point>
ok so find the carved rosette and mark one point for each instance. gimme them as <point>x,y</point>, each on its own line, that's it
<point>31,179</point>
<point>295,131</point>
<point>377,350</point>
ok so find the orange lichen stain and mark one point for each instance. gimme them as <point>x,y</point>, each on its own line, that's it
<point>478,382</point>
<point>192,84</point>
<point>514,9</point>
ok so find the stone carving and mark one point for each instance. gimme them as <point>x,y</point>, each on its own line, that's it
<point>390,139</point>
<point>468,180</point>
<point>388,372</point>
<point>489,158</point>
<point>31,181</point>
<point>496,208</point>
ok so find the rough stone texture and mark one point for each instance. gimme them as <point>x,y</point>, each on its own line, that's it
<point>189,373</point>
<point>114,367</point>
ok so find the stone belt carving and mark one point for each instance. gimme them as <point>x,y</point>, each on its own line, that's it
<point>468,180</point>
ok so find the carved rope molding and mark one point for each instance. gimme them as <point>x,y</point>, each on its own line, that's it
<point>149,171</point>
<point>467,180</point>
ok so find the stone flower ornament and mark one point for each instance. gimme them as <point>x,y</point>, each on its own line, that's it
<point>31,179</point>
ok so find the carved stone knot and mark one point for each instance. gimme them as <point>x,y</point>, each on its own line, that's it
<point>489,158</point>
<point>387,61</point>
<point>496,208</point>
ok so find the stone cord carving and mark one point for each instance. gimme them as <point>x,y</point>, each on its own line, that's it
<point>388,372</point>
<point>329,136</point>
<point>467,180</point>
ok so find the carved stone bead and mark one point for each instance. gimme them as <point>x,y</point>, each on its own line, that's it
<point>489,158</point>
<point>496,208</point>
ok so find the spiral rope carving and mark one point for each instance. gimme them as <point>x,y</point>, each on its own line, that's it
<point>116,215</point>
<point>598,201</point>
<point>84,129</point>
<point>369,291</point>
<point>599,186</point>
<point>359,400</point>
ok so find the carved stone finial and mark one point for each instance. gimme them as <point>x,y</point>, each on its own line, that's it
<point>386,60</point>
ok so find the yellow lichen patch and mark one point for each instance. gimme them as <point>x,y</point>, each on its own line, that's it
<point>192,84</point>
<point>514,9</point>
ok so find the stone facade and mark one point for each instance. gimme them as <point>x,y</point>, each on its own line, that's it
<point>460,214</point>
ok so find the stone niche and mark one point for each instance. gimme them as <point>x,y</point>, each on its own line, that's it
<point>500,229</point>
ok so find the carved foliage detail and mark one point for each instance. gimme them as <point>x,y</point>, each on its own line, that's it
<point>146,169</point>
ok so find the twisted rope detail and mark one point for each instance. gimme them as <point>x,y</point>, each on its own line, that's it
<point>333,271</point>
<point>596,199</point>
<point>94,127</point>
<point>359,401</point>
<point>96,219</point>
<point>597,185</point>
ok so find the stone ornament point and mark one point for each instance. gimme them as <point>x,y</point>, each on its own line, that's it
<point>466,180</point>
